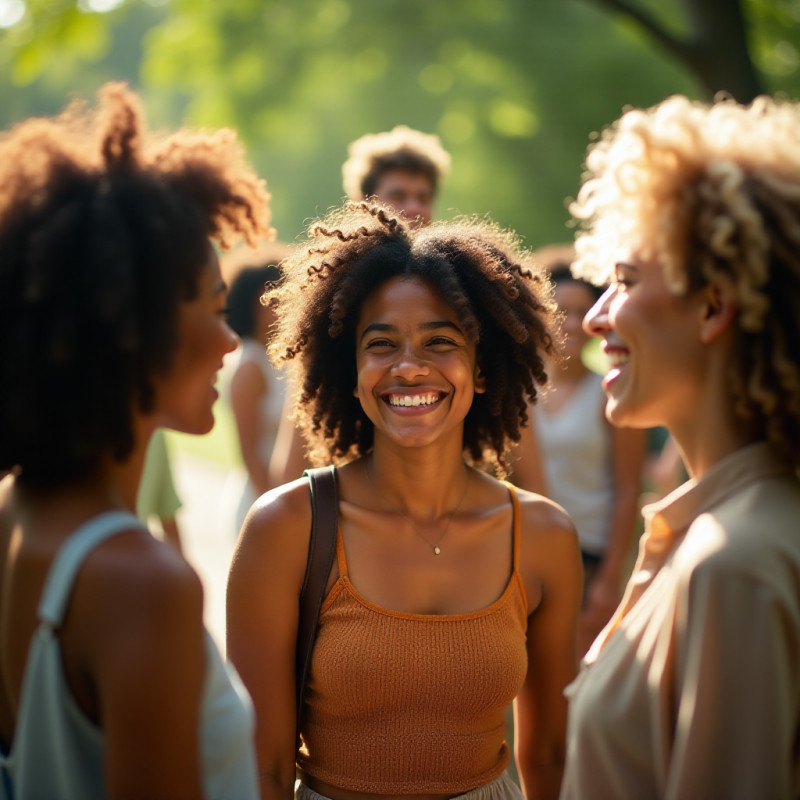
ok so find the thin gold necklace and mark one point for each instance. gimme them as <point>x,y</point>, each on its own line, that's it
<point>433,545</point>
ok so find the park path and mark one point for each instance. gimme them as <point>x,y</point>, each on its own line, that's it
<point>207,546</point>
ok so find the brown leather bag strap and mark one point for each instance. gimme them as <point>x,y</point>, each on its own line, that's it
<point>321,549</point>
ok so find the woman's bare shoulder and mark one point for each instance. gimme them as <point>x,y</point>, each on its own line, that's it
<point>134,561</point>
<point>548,535</point>
<point>550,556</point>
<point>542,516</point>
<point>278,526</point>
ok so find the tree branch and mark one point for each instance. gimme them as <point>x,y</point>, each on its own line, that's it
<point>681,49</point>
<point>715,50</point>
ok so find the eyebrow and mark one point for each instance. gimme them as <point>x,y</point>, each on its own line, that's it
<point>383,327</point>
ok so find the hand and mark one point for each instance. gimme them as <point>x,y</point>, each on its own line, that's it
<point>602,598</point>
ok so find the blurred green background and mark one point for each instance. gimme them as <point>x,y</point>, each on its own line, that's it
<point>516,89</point>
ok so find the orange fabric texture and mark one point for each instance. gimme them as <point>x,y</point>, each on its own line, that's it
<point>412,703</point>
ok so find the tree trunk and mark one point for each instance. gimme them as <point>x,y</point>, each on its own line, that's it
<point>715,48</point>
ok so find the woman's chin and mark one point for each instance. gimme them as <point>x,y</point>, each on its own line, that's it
<point>616,413</point>
<point>198,426</point>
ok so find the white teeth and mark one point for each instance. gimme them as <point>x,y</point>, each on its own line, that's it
<point>413,400</point>
<point>618,359</point>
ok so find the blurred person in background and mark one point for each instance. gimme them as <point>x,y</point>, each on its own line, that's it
<point>112,325</point>
<point>253,388</point>
<point>403,168</point>
<point>593,469</point>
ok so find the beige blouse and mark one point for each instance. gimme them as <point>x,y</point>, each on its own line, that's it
<point>693,688</point>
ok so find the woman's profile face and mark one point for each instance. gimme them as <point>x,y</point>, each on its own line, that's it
<point>416,365</point>
<point>185,395</point>
<point>651,338</point>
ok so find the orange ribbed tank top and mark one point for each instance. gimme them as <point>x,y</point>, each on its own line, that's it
<point>413,703</point>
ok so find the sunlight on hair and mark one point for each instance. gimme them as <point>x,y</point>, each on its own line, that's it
<point>11,12</point>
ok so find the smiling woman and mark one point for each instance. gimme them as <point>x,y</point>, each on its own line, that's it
<point>692,212</point>
<point>417,351</point>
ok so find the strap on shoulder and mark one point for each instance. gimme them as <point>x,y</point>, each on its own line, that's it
<point>70,557</point>
<point>321,547</point>
<point>516,523</point>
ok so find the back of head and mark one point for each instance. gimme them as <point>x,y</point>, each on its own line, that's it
<point>401,148</point>
<point>557,259</point>
<point>103,232</point>
<point>712,194</point>
<point>495,288</point>
<point>247,273</point>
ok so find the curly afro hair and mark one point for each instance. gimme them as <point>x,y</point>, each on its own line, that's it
<point>712,192</point>
<point>103,232</point>
<point>502,299</point>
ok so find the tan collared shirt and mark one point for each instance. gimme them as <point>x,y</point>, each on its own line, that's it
<point>693,689</point>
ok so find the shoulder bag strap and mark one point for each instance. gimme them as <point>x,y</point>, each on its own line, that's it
<point>321,548</point>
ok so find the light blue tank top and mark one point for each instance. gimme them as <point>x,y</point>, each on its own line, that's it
<point>58,752</point>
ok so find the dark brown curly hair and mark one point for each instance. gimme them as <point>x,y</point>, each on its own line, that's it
<point>501,298</point>
<point>103,232</point>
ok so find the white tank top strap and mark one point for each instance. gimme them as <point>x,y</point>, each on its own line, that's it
<point>71,556</point>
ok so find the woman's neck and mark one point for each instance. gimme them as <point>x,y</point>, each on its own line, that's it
<point>111,485</point>
<point>708,432</point>
<point>416,481</point>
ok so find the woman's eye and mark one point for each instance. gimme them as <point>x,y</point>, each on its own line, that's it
<point>377,344</point>
<point>624,275</point>
<point>441,341</point>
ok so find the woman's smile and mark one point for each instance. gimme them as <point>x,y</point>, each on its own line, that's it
<point>405,402</point>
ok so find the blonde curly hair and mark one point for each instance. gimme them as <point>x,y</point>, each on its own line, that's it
<point>400,148</point>
<point>711,192</point>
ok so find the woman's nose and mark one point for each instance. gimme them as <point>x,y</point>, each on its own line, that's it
<point>231,338</point>
<point>410,364</point>
<point>595,323</point>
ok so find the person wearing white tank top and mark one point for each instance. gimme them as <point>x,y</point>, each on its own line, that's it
<point>250,384</point>
<point>592,469</point>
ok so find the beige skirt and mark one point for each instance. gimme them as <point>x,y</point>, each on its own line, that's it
<point>501,788</point>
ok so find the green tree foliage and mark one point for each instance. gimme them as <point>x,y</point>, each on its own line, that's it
<point>514,88</point>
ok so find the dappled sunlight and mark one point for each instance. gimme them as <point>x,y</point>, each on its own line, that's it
<point>11,12</point>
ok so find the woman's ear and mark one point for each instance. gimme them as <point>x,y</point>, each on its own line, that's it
<point>479,380</point>
<point>719,310</point>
